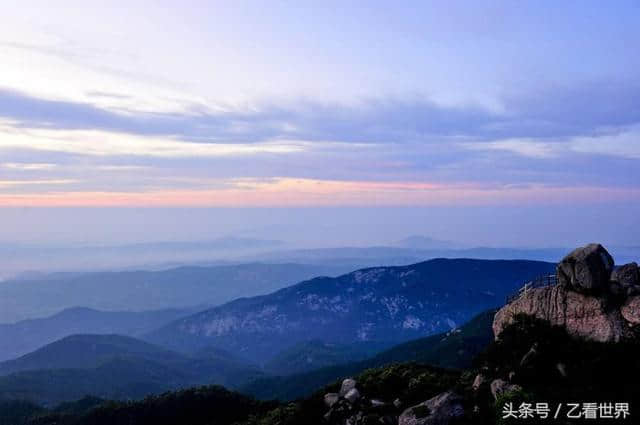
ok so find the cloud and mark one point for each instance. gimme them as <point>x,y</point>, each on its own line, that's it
<point>28,166</point>
<point>625,144</point>
<point>523,147</point>
<point>556,113</point>
<point>542,140</point>
<point>13,183</point>
<point>102,143</point>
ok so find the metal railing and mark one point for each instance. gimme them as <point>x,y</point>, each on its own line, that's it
<point>538,282</point>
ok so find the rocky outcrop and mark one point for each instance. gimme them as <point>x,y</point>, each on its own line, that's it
<point>439,410</point>
<point>585,301</point>
<point>350,407</point>
<point>582,315</point>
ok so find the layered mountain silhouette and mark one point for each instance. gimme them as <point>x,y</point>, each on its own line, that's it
<point>25,336</point>
<point>116,367</point>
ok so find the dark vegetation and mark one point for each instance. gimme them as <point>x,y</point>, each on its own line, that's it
<point>196,406</point>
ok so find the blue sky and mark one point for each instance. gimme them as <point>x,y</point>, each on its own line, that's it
<point>464,105</point>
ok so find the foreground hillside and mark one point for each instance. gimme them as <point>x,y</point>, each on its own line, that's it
<point>401,393</point>
<point>383,304</point>
<point>196,406</point>
<point>407,394</point>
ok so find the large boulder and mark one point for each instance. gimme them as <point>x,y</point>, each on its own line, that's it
<point>439,410</point>
<point>586,269</point>
<point>627,275</point>
<point>581,315</point>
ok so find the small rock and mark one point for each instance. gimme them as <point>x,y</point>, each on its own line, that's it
<point>499,386</point>
<point>377,403</point>
<point>347,385</point>
<point>330,399</point>
<point>352,395</point>
<point>397,403</point>
<point>627,275</point>
<point>477,383</point>
<point>562,369</point>
<point>439,410</point>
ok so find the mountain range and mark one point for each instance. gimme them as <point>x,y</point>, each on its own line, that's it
<point>382,304</point>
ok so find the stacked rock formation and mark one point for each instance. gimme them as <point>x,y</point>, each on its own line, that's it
<point>592,299</point>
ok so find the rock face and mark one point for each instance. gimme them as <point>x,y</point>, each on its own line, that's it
<point>585,301</point>
<point>439,410</point>
<point>582,315</point>
<point>586,269</point>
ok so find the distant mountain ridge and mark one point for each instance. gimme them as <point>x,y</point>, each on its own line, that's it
<point>425,242</point>
<point>389,304</point>
<point>150,290</point>
<point>85,352</point>
<point>25,336</point>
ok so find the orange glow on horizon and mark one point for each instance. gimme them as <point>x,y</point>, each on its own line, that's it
<point>289,192</point>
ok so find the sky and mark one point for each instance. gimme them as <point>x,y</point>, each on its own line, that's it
<point>441,118</point>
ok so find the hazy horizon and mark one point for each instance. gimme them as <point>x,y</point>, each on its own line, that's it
<point>519,227</point>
